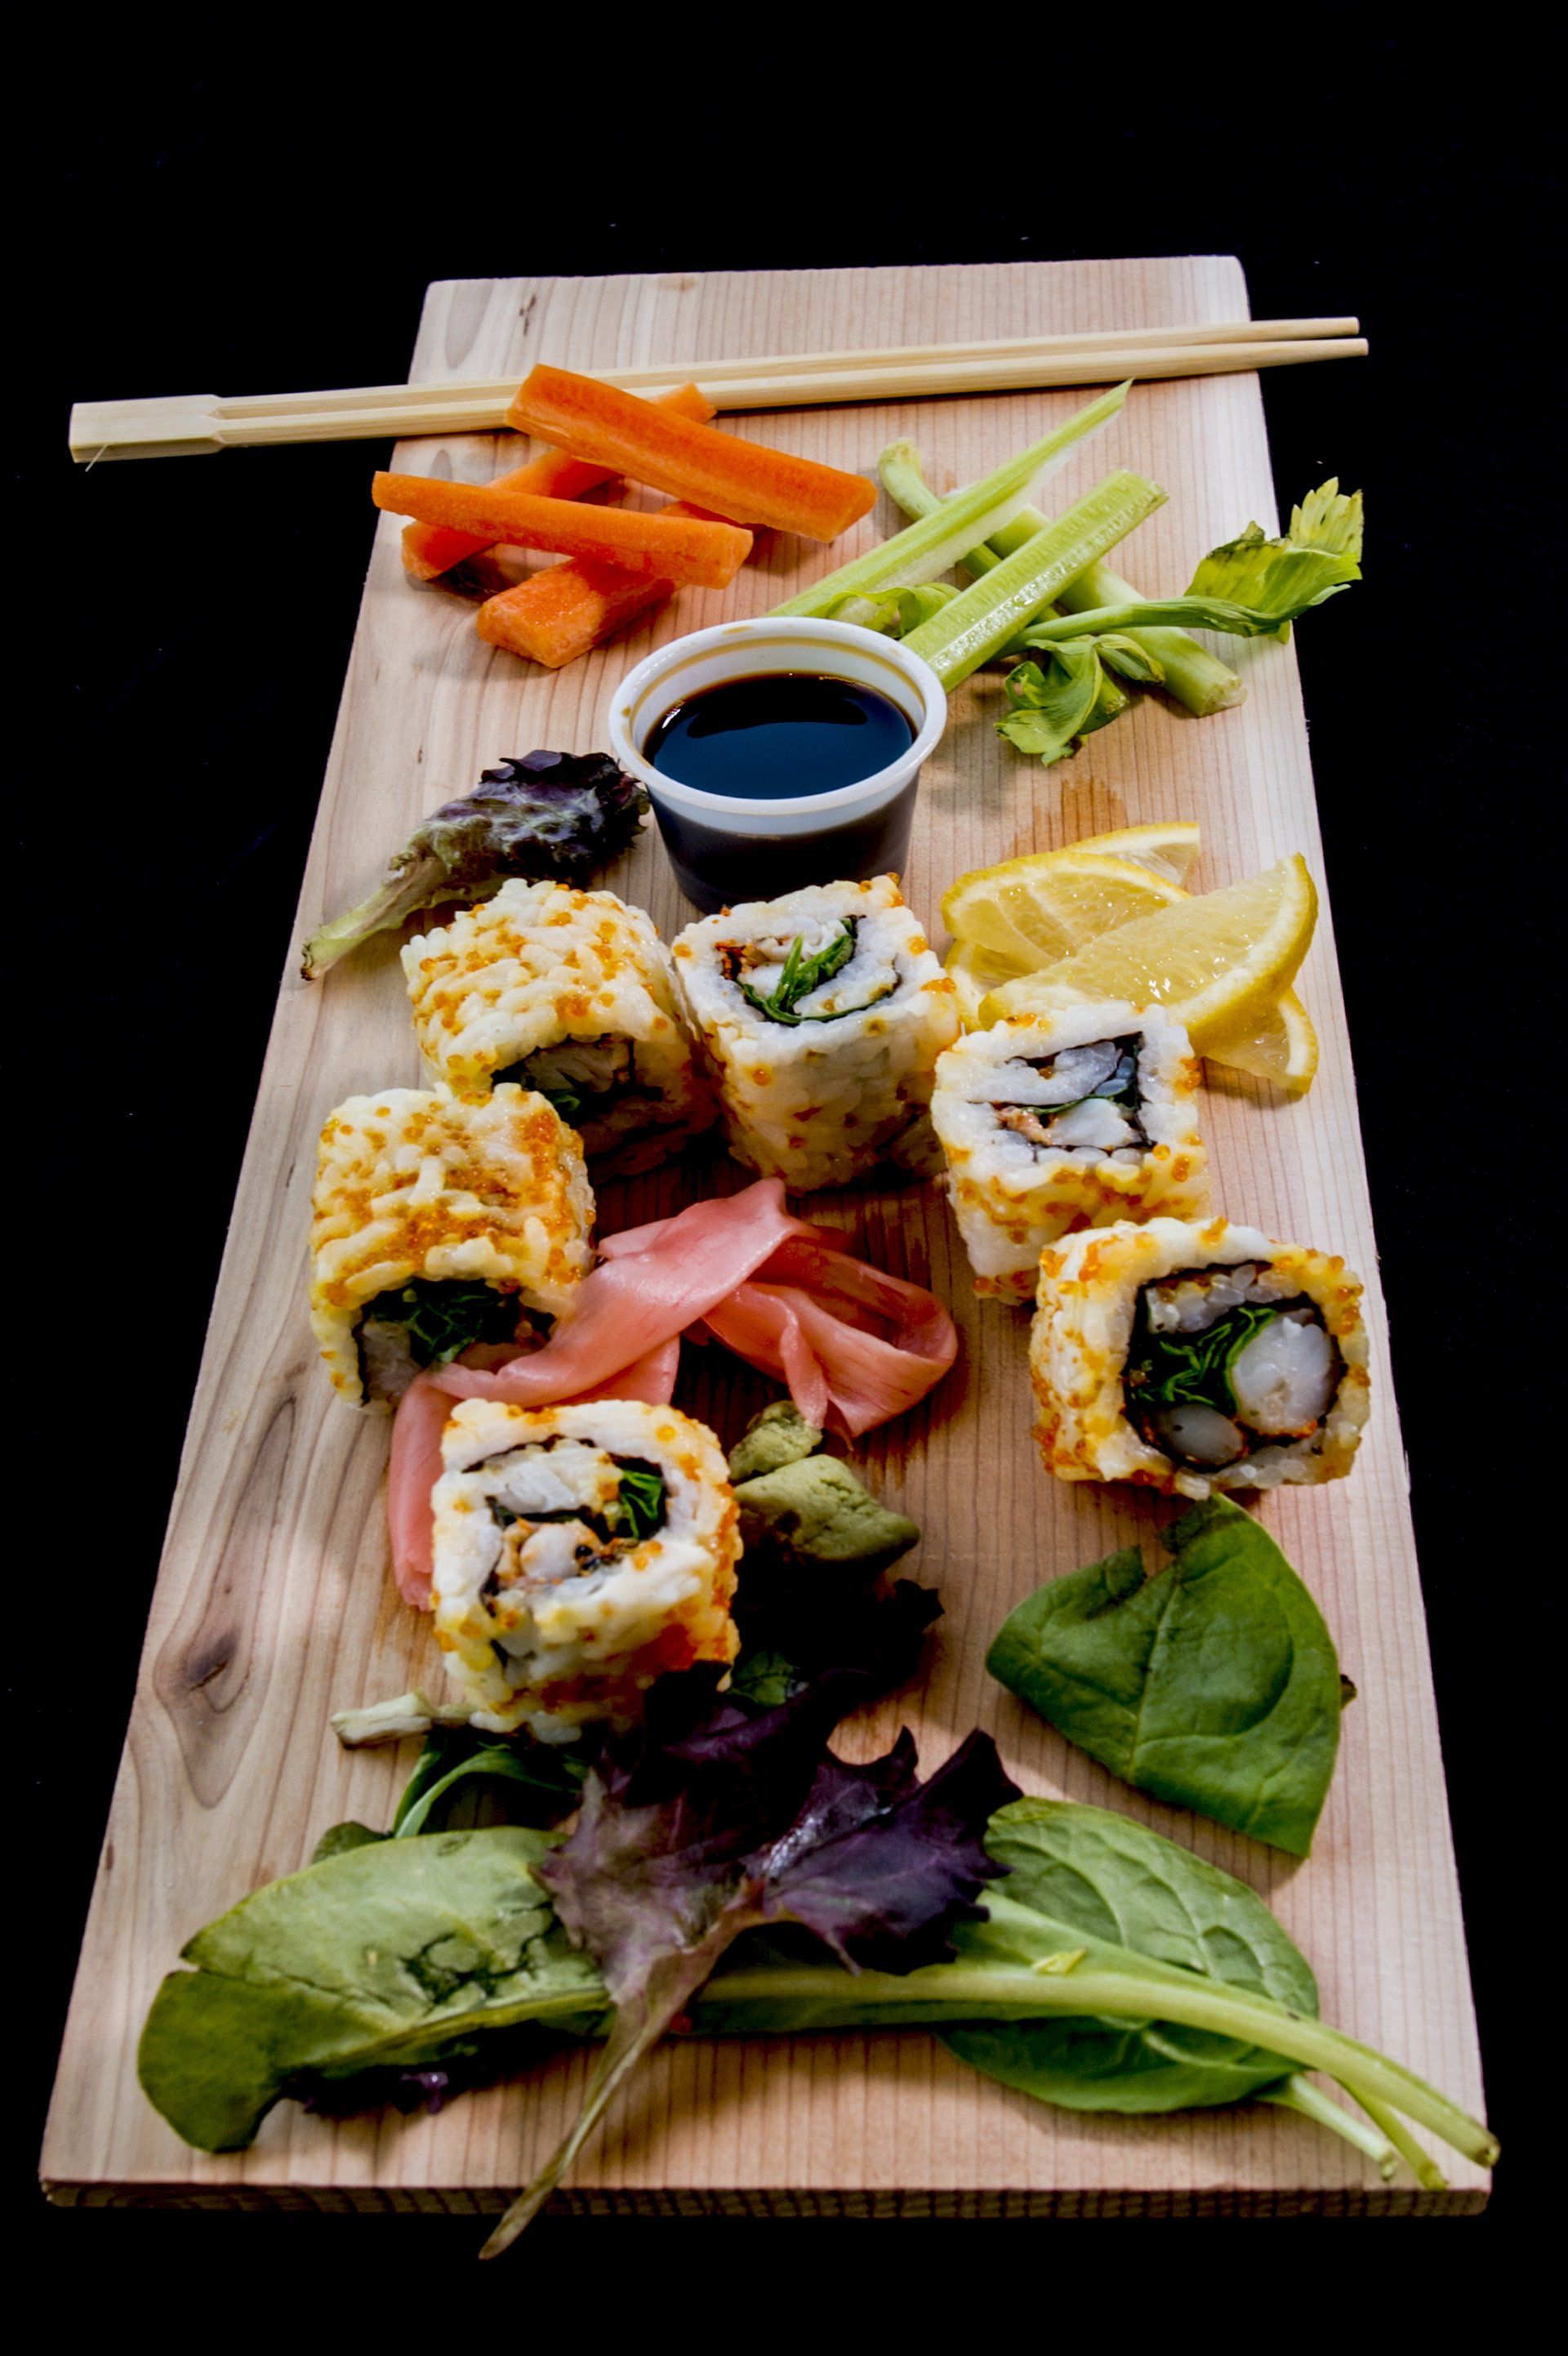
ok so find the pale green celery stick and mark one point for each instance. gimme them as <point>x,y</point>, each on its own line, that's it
<point>979,622</point>
<point>937,542</point>
<point>1195,676</point>
<point>1301,2095</point>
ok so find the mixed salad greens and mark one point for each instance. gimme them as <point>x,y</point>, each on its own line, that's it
<point>726,1872</point>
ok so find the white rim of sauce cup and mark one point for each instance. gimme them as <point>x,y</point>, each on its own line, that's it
<point>706,658</point>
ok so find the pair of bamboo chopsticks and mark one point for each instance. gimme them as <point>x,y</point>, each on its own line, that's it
<point>188,424</point>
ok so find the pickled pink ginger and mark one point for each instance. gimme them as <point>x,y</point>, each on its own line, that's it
<point>854,1346</point>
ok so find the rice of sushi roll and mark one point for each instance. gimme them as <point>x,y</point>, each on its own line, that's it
<point>821,1016</point>
<point>1196,1357</point>
<point>1061,1120</point>
<point>580,1554</point>
<point>568,992</point>
<point>439,1224</point>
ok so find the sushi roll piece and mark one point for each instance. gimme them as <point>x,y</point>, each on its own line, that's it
<point>821,1016</point>
<point>439,1224</point>
<point>568,992</point>
<point>1061,1120</point>
<point>580,1553</point>
<point>1196,1357</point>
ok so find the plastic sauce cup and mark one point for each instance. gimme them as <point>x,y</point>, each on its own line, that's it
<point>724,847</point>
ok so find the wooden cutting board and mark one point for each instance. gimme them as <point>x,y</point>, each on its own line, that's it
<point>274,1606</point>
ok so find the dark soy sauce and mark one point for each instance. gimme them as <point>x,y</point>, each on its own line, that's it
<point>771,737</point>
<point>716,868</point>
<point>777,735</point>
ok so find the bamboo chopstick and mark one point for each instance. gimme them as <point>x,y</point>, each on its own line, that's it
<point>191,425</point>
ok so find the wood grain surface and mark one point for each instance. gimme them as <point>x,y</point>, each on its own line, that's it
<point>274,1606</point>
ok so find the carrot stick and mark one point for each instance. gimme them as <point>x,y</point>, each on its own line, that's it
<point>718,471</point>
<point>679,547</point>
<point>433,549</point>
<point>560,612</point>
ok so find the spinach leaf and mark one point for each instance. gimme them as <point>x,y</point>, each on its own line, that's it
<point>639,1502</point>
<point>338,1839</point>
<point>1170,1369</point>
<point>1082,1877</point>
<point>567,1102</point>
<point>444,1319</point>
<point>1213,1684</point>
<point>378,1957</point>
<point>764,1678</point>
<point>548,1782</point>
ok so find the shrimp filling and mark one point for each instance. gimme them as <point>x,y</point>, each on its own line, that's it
<point>563,1509</point>
<point>1081,1096</point>
<point>1222,1364</point>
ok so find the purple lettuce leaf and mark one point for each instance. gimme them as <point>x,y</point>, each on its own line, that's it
<point>693,1832</point>
<point>548,817</point>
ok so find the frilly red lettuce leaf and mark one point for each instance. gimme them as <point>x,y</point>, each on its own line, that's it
<point>556,817</point>
<point>695,1830</point>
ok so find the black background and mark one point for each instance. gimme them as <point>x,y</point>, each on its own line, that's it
<point>208,211</point>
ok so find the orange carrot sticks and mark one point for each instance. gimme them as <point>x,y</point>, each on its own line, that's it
<point>433,549</point>
<point>561,611</point>
<point>671,548</point>
<point>718,471</point>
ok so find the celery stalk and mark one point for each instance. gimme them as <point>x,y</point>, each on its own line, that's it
<point>1203,613</point>
<point>930,547</point>
<point>981,620</point>
<point>1188,672</point>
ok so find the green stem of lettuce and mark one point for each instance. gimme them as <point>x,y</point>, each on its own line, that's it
<point>1308,2102</point>
<point>1190,673</point>
<point>1166,1992</point>
<point>1421,2163</point>
<point>937,542</point>
<point>982,620</point>
<point>411,880</point>
<point>634,2031</point>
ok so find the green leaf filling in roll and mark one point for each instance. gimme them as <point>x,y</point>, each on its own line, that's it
<point>800,976</point>
<point>1171,1369</point>
<point>442,1319</point>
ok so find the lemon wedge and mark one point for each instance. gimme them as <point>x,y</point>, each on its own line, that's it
<point>1034,911</point>
<point>1280,1045</point>
<point>1167,847</point>
<point>974,973</point>
<point>1216,962</point>
<point>1013,919</point>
